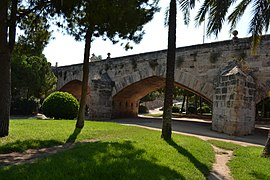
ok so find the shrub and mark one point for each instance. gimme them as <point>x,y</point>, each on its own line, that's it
<point>176,109</point>
<point>191,110</point>
<point>143,109</point>
<point>24,106</point>
<point>61,105</point>
<point>205,109</point>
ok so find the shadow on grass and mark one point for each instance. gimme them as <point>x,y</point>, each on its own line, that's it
<point>259,175</point>
<point>98,160</point>
<point>200,166</point>
<point>21,146</point>
<point>72,138</point>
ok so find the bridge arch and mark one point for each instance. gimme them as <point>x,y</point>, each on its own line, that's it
<point>126,100</point>
<point>74,87</point>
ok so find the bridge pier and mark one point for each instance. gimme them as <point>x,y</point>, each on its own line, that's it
<point>123,108</point>
<point>234,102</point>
<point>100,101</point>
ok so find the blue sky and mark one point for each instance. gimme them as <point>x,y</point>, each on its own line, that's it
<point>64,50</point>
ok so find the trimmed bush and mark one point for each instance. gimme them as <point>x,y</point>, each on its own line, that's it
<point>143,109</point>
<point>60,105</point>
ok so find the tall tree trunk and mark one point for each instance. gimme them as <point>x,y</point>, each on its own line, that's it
<point>183,103</point>
<point>12,25</point>
<point>187,105</point>
<point>266,151</point>
<point>169,86</point>
<point>5,66</point>
<point>263,108</point>
<point>196,103</point>
<point>201,112</point>
<point>80,119</point>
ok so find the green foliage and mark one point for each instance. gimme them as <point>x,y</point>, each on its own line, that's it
<point>176,109</point>
<point>258,167</point>
<point>143,109</point>
<point>32,76</point>
<point>204,109</point>
<point>191,110</point>
<point>246,157</point>
<point>225,145</point>
<point>114,20</point>
<point>151,96</point>
<point>216,14</point>
<point>61,105</point>
<point>24,106</point>
<point>35,35</point>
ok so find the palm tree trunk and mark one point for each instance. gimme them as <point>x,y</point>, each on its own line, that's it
<point>266,151</point>
<point>80,119</point>
<point>169,86</point>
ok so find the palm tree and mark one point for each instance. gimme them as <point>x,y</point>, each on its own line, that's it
<point>260,20</point>
<point>218,10</point>
<point>185,6</point>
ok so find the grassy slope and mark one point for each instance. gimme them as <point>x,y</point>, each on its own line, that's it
<point>121,153</point>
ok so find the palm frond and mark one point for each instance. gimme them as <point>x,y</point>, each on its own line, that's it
<point>185,7</point>
<point>166,17</point>
<point>238,12</point>
<point>201,15</point>
<point>217,10</point>
<point>217,15</point>
<point>266,14</point>
<point>257,23</point>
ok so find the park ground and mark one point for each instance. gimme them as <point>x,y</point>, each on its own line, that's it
<point>211,160</point>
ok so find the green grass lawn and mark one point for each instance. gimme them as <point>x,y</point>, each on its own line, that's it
<point>120,152</point>
<point>246,162</point>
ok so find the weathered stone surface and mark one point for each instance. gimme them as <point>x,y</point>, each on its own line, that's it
<point>116,85</point>
<point>234,102</point>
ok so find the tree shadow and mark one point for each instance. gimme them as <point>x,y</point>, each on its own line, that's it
<point>200,166</point>
<point>21,146</point>
<point>72,138</point>
<point>259,175</point>
<point>95,160</point>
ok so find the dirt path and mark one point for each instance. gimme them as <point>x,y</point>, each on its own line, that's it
<point>30,155</point>
<point>220,169</point>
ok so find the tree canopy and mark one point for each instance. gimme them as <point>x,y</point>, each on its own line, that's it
<point>109,19</point>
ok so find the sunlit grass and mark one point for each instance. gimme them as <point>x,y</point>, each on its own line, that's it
<point>225,145</point>
<point>247,162</point>
<point>120,152</point>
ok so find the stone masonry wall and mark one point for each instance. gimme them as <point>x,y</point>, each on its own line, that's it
<point>234,103</point>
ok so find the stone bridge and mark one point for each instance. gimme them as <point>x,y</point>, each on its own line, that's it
<point>224,73</point>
